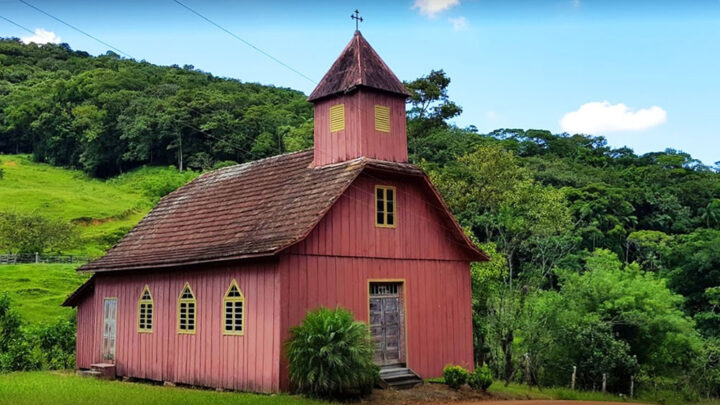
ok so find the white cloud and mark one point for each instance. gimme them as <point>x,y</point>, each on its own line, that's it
<point>576,3</point>
<point>602,117</point>
<point>459,24</point>
<point>491,115</point>
<point>42,36</point>
<point>431,8</point>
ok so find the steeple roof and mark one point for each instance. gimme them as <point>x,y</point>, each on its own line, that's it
<point>358,66</point>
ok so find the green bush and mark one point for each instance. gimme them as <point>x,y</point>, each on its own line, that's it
<point>330,354</point>
<point>455,376</point>
<point>481,378</point>
<point>41,347</point>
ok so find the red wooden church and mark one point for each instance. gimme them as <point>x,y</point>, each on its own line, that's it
<point>205,288</point>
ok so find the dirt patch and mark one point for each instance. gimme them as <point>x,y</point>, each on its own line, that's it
<point>10,164</point>
<point>430,393</point>
<point>443,395</point>
<point>532,402</point>
<point>87,221</point>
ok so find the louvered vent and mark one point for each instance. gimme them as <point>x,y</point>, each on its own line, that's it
<point>337,117</point>
<point>382,118</point>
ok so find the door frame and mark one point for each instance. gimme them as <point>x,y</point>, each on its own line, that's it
<point>102,330</point>
<point>404,323</point>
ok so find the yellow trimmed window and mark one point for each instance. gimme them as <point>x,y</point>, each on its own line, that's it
<point>234,310</point>
<point>382,118</point>
<point>385,210</point>
<point>337,117</point>
<point>187,306</point>
<point>145,311</point>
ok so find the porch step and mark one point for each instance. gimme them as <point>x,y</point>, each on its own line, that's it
<point>89,373</point>
<point>399,377</point>
<point>103,370</point>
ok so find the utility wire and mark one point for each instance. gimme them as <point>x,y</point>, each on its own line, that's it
<point>243,41</point>
<point>76,29</point>
<point>17,25</point>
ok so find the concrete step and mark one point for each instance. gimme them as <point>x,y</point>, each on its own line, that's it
<point>398,377</point>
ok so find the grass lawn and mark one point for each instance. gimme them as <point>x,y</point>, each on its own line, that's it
<point>37,290</point>
<point>64,388</point>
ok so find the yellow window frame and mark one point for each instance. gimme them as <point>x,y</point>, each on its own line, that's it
<point>337,117</point>
<point>382,118</point>
<point>142,301</point>
<point>181,301</point>
<point>385,212</point>
<point>228,299</point>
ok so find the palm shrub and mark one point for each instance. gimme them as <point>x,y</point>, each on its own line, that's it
<point>455,376</point>
<point>481,378</point>
<point>330,354</point>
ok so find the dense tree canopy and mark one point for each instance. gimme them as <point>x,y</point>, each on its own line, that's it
<point>106,115</point>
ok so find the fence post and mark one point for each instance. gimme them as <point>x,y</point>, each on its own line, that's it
<point>572,381</point>
<point>37,257</point>
<point>632,385</point>
<point>604,385</point>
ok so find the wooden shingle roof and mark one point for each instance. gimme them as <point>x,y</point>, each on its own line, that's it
<point>358,66</point>
<point>250,210</point>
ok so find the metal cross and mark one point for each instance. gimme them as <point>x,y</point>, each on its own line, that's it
<point>357,18</point>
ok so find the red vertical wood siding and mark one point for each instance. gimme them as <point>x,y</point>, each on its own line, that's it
<point>207,358</point>
<point>86,343</point>
<point>359,138</point>
<point>437,302</point>
<point>348,229</point>
<point>333,265</point>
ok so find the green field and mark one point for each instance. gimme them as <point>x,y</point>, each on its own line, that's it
<point>100,208</point>
<point>63,388</point>
<point>37,290</point>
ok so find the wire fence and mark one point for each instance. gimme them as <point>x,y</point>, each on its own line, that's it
<point>40,258</point>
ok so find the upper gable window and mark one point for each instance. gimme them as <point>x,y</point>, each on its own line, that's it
<point>337,117</point>
<point>382,118</point>
<point>145,311</point>
<point>385,211</point>
<point>234,309</point>
<point>187,306</point>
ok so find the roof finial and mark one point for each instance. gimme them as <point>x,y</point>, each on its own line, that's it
<point>356,16</point>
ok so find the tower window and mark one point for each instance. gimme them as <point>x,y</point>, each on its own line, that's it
<point>186,311</point>
<point>145,311</point>
<point>385,213</point>
<point>234,309</point>
<point>337,117</point>
<point>382,118</point>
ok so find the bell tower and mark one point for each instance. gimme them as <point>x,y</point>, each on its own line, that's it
<point>359,108</point>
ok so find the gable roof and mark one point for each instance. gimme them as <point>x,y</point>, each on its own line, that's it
<point>250,210</point>
<point>358,66</point>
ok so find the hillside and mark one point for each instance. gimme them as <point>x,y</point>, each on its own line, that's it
<point>102,211</point>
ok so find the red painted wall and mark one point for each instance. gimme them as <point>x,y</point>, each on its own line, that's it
<point>208,358</point>
<point>360,137</point>
<point>334,264</point>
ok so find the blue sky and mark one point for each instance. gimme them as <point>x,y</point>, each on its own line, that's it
<point>644,74</point>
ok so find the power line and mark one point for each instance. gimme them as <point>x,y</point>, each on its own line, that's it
<point>76,29</point>
<point>243,41</point>
<point>17,25</point>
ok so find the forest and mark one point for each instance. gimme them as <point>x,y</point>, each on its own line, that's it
<point>603,260</point>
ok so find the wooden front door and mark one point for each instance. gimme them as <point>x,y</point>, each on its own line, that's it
<point>109,329</point>
<point>386,323</point>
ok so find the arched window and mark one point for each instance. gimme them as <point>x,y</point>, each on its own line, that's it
<point>145,311</point>
<point>186,311</point>
<point>234,309</point>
